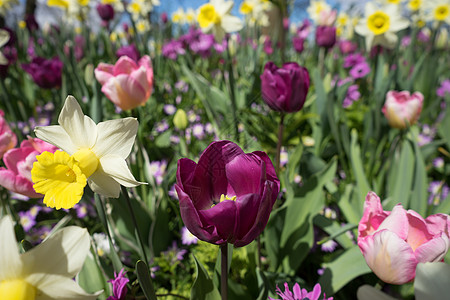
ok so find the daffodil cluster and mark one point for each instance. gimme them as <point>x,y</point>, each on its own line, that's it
<point>92,153</point>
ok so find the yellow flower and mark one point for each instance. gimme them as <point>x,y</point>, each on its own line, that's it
<point>46,271</point>
<point>99,149</point>
<point>414,5</point>
<point>437,11</point>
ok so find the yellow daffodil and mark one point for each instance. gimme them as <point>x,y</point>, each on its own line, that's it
<point>380,25</point>
<point>437,11</point>
<point>45,272</point>
<point>256,11</point>
<point>97,150</point>
<point>214,17</point>
<point>4,38</point>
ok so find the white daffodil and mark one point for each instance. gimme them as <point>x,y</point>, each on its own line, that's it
<point>4,38</point>
<point>96,151</point>
<point>380,25</point>
<point>256,11</point>
<point>437,11</point>
<point>316,9</point>
<point>45,272</point>
<point>215,17</point>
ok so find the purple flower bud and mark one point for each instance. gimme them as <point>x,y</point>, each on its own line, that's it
<point>284,89</point>
<point>46,73</point>
<point>130,51</point>
<point>325,36</point>
<point>105,11</point>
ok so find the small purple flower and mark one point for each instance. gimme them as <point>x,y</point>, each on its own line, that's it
<point>46,73</point>
<point>187,238</point>
<point>444,88</point>
<point>198,131</point>
<point>438,162</point>
<point>352,95</point>
<point>359,70</point>
<point>182,86</point>
<point>353,59</point>
<point>202,45</point>
<point>426,136</point>
<point>27,220</point>
<point>283,157</point>
<point>172,49</point>
<point>299,293</point>
<point>119,284</point>
<point>329,246</point>
<point>438,191</point>
<point>162,126</point>
<point>174,253</point>
<point>129,50</point>
<point>169,109</point>
<point>157,169</point>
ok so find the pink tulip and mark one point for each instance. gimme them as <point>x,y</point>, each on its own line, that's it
<point>402,109</point>
<point>8,139</point>
<point>127,84</point>
<point>393,243</point>
<point>16,177</point>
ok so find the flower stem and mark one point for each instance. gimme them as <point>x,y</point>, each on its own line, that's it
<point>133,217</point>
<point>224,271</point>
<point>280,143</point>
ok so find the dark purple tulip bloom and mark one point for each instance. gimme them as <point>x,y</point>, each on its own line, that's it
<point>298,44</point>
<point>131,51</point>
<point>46,73</point>
<point>106,12</point>
<point>228,196</point>
<point>284,89</point>
<point>325,36</point>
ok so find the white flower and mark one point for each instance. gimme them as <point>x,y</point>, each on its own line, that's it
<point>215,17</point>
<point>45,272</point>
<point>4,38</point>
<point>100,150</point>
<point>316,9</point>
<point>380,25</point>
<point>437,11</point>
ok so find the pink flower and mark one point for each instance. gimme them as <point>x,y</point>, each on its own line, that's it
<point>8,139</point>
<point>127,84</point>
<point>119,284</point>
<point>393,243</point>
<point>402,109</point>
<point>299,293</point>
<point>16,177</point>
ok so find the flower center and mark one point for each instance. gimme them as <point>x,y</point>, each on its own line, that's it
<point>87,160</point>
<point>207,16</point>
<point>414,5</point>
<point>223,197</point>
<point>441,12</point>
<point>59,177</point>
<point>378,22</point>
<point>246,8</point>
<point>17,289</point>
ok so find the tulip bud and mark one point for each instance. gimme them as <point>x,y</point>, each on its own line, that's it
<point>284,89</point>
<point>180,119</point>
<point>105,11</point>
<point>402,109</point>
<point>325,36</point>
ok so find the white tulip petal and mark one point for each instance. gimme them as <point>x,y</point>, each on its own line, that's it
<point>63,254</point>
<point>117,168</point>
<point>81,129</point>
<point>116,137</point>
<point>10,263</point>
<point>54,287</point>
<point>56,135</point>
<point>103,184</point>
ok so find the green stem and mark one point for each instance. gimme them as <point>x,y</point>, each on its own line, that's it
<point>280,143</point>
<point>224,271</point>
<point>133,217</point>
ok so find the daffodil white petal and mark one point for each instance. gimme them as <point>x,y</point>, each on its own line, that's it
<point>117,168</point>
<point>63,254</point>
<point>369,9</point>
<point>3,59</point>
<point>81,129</point>
<point>57,136</point>
<point>10,263</point>
<point>231,23</point>
<point>399,24</point>
<point>222,7</point>
<point>4,37</point>
<point>101,183</point>
<point>54,287</point>
<point>116,137</point>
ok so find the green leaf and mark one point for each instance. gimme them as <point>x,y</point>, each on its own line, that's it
<point>294,160</point>
<point>145,281</point>
<point>420,184</point>
<point>357,166</point>
<point>203,287</point>
<point>444,126</point>
<point>91,278</point>
<point>431,281</point>
<point>342,270</point>
<point>351,204</point>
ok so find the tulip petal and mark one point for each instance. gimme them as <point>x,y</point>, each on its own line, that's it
<point>54,287</point>
<point>56,135</point>
<point>116,167</point>
<point>124,65</point>
<point>116,137</point>
<point>433,250</point>
<point>17,184</point>
<point>63,253</point>
<point>438,223</point>
<point>223,217</point>
<point>418,230</point>
<point>373,215</point>
<point>11,265</point>
<point>124,91</point>
<point>103,184</point>
<point>396,222</point>
<point>389,257</point>
<point>81,129</point>
<point>191,219</point>
<point>104,72</point>
<point>246,174</point>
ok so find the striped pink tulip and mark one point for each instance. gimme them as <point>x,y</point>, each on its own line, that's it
<point>402,109</point>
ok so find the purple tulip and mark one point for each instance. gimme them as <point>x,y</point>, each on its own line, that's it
<point>325,36</point>
<point>284,89</point>
<point>106,12</point>
<point>46,73</point>
<point>129,50</point>
<point>228,196</point>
